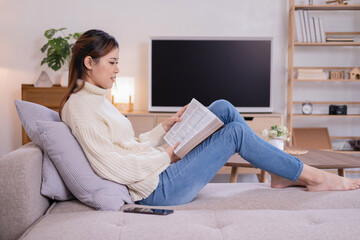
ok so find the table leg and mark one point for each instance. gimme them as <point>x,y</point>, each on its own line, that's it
<point>262,177</point>
<point>233,175</point>
<point>341,172</point>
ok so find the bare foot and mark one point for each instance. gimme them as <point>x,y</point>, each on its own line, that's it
<point>319,180</point>
<point>279,182</point>
<point>331,182</point>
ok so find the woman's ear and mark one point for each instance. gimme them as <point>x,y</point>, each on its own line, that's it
<point>88,62</point>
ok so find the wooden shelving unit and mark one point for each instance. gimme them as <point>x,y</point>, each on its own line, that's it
<point>292,46</point>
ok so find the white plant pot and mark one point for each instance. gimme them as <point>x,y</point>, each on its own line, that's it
<point>64,79</point>
<point>277,142</point>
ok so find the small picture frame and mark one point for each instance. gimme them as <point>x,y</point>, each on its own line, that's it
<point>312,138</point>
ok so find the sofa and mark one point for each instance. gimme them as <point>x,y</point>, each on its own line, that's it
<point>220,211</point>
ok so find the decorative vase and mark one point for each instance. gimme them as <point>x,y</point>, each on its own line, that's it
<point>64,78</point>
<point>43,80</point>
<point>277,142</point>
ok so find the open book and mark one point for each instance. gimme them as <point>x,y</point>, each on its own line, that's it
<point>197,123</point>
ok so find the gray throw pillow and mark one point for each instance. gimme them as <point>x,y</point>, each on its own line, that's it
<point>52,185</point>
<point>74,168</point>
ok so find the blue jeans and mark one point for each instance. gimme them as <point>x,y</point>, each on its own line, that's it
<point>181,181</point>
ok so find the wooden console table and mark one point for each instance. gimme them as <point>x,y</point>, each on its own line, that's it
<point>322,159</point>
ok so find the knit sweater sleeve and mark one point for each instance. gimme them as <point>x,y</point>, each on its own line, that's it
<point>154,136</point>
<point>112,162</point>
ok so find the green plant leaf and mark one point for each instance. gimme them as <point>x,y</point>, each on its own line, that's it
<point>58,49</point>
<point>65,52</point>
<point>54,63</point>
<point>77,35</point>
<point>43,61</point>
<point>58,43</point>
<point>51,51</point>
<point>50,33</point>
<point>43,49</point>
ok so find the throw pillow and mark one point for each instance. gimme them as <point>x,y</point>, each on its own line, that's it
<point>74,168</point>
<point>52,185</point>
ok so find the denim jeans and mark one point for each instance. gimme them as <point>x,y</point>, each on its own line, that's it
<point>181,181</point>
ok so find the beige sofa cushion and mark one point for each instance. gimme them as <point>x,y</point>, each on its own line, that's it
<point>20,203</point>
<point>202,224</point>
<point>221,211</point>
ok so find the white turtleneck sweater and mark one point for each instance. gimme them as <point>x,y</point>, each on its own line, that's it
<point>110,145</point>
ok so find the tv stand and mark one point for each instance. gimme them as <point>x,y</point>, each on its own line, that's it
<point>144,121</point>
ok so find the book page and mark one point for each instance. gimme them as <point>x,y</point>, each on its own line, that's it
<point>195,119</point>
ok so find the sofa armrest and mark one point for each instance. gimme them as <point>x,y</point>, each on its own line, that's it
<point>21,203</point>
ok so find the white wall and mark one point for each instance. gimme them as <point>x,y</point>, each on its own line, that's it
<point>22,24</point>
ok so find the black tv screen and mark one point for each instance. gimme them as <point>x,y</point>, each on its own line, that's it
<point>238,70</point>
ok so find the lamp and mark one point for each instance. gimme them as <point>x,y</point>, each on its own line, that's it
<point>122,93</point>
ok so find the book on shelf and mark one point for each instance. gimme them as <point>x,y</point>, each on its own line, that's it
<point>298,29</point>
<point>318,74</point>
<point>340,39</point>
<point>310,70</point>
<point>322,30</point>
<point>317,29</point>
<point>303,29</point>
<point>307,26</point>
<point>322,77</point>
<point>312,30</point>
<point>198,122</point>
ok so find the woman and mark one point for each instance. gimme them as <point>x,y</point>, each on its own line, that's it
<point>154,176</point>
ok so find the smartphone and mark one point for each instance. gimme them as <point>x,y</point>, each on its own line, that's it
<point>153,211</point>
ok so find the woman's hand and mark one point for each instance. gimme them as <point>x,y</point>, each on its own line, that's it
<point>172,155</point>
<point>168,123</point>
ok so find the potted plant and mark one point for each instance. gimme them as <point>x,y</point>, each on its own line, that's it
<point>277,135</point>
<point>58,49</point>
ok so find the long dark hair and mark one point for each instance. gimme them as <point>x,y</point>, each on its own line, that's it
<point>94,43</point>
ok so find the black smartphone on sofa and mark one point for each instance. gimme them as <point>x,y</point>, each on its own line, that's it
<point>152,211</point>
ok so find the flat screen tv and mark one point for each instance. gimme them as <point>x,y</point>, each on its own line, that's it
<point>235,69</point>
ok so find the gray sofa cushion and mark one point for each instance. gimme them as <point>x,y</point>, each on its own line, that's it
<point>52,185</point>
<point>75,170</point>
